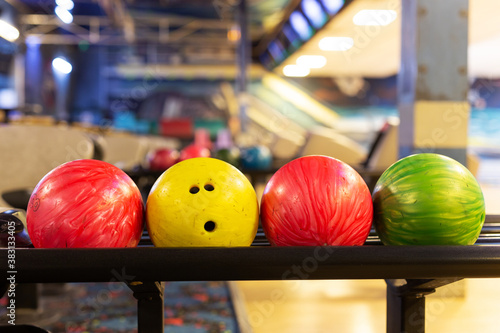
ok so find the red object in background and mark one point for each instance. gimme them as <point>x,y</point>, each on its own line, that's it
<point>194,150</point>
<point>316,201</point>
<point>85,203</point>
<point>163,158</point>
<point>178,127</point>
<point>202,138</point>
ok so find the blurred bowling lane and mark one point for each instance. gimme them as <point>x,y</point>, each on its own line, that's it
<point>359,306</point>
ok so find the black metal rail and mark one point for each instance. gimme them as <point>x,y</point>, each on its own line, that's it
<point>411,272</point>
<point>255,263</point>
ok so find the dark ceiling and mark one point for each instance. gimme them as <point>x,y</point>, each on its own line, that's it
<point>260,12</point>
<point>196,29</point>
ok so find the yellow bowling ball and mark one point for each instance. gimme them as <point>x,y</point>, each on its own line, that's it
<point>202,202</point>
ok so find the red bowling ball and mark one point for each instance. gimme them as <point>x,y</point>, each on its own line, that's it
<point>85,203</point>
<point>163,158</point>
<point>315,201</point>
<point>194,150</point>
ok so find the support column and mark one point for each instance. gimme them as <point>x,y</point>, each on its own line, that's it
<point>406,303</point>
<point>405,313</point>
<point>433,84</point>
<point>150,306</point>
<point>243,60</point>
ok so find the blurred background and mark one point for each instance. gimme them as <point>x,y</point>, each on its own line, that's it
<point>144,84</point>
<point>298,77</point>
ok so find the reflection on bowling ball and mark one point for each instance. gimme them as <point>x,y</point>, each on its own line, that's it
<point>202,202</point>
<point>256,158</point>
<point>428,199</point>
<point>316,201</point>
<point>85,203</point>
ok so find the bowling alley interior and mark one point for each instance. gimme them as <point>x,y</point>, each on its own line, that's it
<point>249,166</point>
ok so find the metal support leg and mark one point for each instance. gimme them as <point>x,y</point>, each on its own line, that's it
<point>27,295</point>
<point>406,303</point>
<point>243,60</point>
<point>149,297</point>
<point>405,313</point>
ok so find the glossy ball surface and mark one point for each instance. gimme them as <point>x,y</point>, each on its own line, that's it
<point>256,158</point>
<point>202,202</point>
<point>229,155</point>
<point>193,151</point>
<point>314,201</point>
<point>162,159</point>
<point>85,203</point>
<point>428,199</point>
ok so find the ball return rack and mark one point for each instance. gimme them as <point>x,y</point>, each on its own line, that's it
<point>410,272</point>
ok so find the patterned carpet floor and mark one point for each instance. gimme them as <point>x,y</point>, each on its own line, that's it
<point>190,307</point>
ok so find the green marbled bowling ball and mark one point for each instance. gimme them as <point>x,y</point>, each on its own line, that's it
<point>231,156</point>
<point>428,199</point>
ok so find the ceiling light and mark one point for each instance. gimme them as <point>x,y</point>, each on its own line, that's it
<point>234,34</point>
<point>311,61</point>
<point>66,4</point>
<point>300,25</point>
<point>61,65</point>
<point>313,11</point>
<point>333,6</point>
<point>64,15</point>
<point>336,43</point>
<point>277,51</point>
<point>295,71</point>
<point>374,17</point>
<point>32,40</point>
<point>8,31</point>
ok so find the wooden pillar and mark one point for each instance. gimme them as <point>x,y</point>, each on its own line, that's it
<point>433,83</point>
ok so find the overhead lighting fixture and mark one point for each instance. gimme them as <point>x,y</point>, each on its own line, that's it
<point>234,34</point>
<point>295,71</point>
<point>61,65</point>
<point>276,50</point>
<point>313,11</point>
<point>32,40</point>
<point>375,17</point>
<point>311,61</point>
<point>66,4</point>
<point>291,35</point>
<point>64,15</point>
<point>8,31</point>
<point>333,6</point>
<point>300,25</point>
<point>336,43</point>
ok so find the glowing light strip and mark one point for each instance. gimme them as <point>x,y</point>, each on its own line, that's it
<point>8,31</point>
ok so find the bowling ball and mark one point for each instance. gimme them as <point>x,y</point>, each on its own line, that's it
<point>194,150</point>
<point>229,155</point>
<point>316,200</point>
<point>256,158</point>
<point>13,231</point>
<point>85,203</point>
<point>162,159</point>
<point>428,199</point>
<point>202,202</point>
